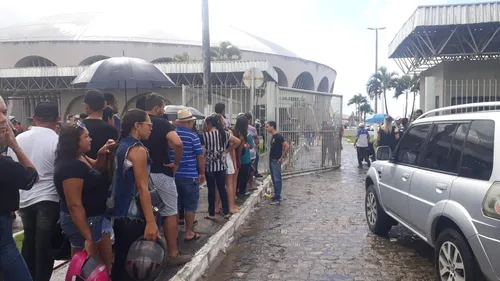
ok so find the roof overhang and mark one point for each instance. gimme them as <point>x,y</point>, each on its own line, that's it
<point>438,33</point>
<point>168,68</point>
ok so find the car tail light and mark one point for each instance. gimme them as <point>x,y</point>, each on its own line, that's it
<point>491,203</point>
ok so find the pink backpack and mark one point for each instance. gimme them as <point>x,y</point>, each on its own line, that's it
<point>85,268</point>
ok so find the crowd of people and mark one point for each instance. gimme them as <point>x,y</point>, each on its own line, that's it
<point>102,179</point>
<point>389,133</point>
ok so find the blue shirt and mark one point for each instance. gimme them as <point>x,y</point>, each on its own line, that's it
<point>191,148</point>
<point>245,158</point>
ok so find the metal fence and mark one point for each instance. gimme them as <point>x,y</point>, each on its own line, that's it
<point>309,121</point>
<point>467,91</point>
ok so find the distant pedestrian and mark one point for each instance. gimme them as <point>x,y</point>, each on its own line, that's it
<point>279,150</point>
<point>220,108</point>
<point>361,144</point>
<point>388,134</point>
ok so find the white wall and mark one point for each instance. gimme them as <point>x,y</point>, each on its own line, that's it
<point>73,52</point>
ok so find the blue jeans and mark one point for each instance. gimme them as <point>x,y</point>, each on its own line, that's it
<point>257,158</point>
<point>12,263</point>
<point>275,168</point>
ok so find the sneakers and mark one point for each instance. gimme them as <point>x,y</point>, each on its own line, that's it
<point>275,202</point>
<point>179,260</point>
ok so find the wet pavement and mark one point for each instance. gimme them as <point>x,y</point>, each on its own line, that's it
<point>319,233</point>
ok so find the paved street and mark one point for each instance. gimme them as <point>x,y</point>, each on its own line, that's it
<point>319,233</point>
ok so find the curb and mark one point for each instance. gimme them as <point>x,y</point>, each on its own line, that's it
<point>195,269</point>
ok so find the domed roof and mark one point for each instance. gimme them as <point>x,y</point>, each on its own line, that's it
<point>100,27</point>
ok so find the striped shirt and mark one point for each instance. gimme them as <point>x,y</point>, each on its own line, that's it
<point>215,159</point>
<point>191,148</point>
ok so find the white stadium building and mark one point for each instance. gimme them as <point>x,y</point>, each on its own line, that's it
<point>38,60</point>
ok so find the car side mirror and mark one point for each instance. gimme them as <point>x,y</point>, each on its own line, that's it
<point>383,153</point>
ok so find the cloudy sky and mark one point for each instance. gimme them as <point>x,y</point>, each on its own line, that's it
<point>333,32</point>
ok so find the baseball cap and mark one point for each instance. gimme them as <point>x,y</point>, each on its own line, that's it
<point>47,110</point>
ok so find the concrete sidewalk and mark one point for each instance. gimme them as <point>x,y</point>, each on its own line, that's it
<point>206,228</point>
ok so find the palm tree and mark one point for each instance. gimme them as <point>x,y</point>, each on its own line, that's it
<point>364,109</point>
<point>357,100</point>
<point>387,81</point>
<point>403,86</point>
<point>225,51</point>
<point>184,57</point>
<point>414,88</point>
<point>374,91</point>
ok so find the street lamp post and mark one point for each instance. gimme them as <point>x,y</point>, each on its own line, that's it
<point>206,51</point>
<point>376,56</point>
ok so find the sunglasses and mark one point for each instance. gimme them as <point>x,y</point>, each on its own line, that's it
<point>80,124</point>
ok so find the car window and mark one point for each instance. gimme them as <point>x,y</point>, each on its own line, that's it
<point>477,159</point>
<point>410,146</point>
<point>457,147</point>
<point>438,147</point>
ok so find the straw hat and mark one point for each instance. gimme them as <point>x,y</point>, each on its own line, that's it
<point>185,115</point>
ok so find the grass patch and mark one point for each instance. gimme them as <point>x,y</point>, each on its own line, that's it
<point>350,139</point>
<point>19,241</point>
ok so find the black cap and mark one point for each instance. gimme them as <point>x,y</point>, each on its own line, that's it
<point>47,111</point>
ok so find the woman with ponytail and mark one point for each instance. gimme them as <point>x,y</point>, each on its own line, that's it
<point>130,201</point>
<point>216,142</point>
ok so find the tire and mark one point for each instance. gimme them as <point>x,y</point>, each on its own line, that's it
<point>445,260</point>
<point>376,218</point>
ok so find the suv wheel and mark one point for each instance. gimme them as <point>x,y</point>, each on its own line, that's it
<point>454,259</point>
<point>378,221</point>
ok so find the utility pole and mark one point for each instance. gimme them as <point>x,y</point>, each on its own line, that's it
<point>376,58</point>
<point>206,51</point>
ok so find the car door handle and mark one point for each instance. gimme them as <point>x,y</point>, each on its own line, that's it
<point>405,176</point>
<point>441,186</point>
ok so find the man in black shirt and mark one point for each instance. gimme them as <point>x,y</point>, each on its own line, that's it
<point>13,176</point>
<point>163,138</point>
<point>279,149</point>
<point>100,132</point>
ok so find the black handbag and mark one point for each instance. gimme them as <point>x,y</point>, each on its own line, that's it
<point>156,200</point>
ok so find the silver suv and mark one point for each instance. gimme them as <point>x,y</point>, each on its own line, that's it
<point>440,183</point>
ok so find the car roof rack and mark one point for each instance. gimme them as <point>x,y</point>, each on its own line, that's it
<point>462,106</point>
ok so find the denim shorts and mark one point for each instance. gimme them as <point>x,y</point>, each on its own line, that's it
<point>75,237</point>
<point>107,227</point>
<point>189,193</point>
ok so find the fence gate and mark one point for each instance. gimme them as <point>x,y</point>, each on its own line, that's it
<point>311,123</point>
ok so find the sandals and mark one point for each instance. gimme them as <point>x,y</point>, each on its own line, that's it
<point>196,236</point>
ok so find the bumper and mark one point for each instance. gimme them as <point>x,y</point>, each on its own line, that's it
<point>487,253</point>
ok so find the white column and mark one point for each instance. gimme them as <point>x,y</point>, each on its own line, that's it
<point>430,93</point>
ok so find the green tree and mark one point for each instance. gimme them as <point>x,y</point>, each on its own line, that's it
<point>403,87</point>
<point>225,52</point>
<point>364,109</point>
<point>385,81</point>
<point>374,91</point>
<point>414,89</point>
<point>184,57</point>
<point>357,100</point>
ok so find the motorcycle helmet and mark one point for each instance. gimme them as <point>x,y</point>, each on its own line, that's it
<point>85,268</point>
<point>146,259</point>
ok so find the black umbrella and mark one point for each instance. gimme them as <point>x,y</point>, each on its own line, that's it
<point>123,73</point>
